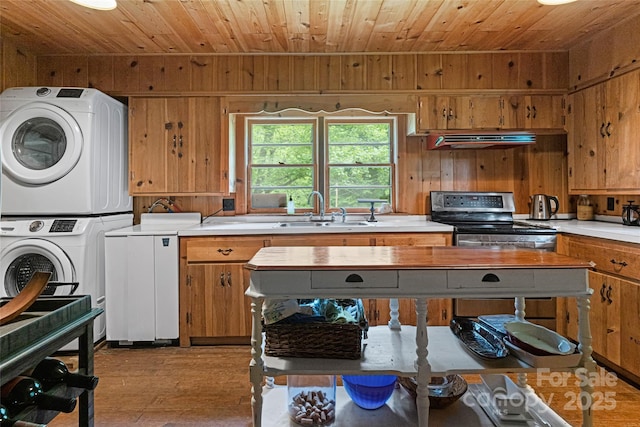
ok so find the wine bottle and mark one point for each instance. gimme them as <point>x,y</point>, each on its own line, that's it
<point>6,421</point>
<point>53,371</point>
<point>21,392</point>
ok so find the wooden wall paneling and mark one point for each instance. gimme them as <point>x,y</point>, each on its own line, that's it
<point>49,71</point>
<point>494,170</point>
<point>354,75</point>
<point>126,73</point>
<point>278,73</point>
<point>151,73</point>
<point>530,71</point>
<point>76,71</point>
<point>547,169</point>
<point>241,160</point>
<point>305,73</point>
<point>378,72</point>
<point>555,70</point>
<point>254,73</point>
<point>431,174</point>
<point>19,67</point>
<point>479,71</point>
<point>454,68</point>
<point>409,197</point>
<point>101,74</point>
<point>227,76</point>
<point>403,72</point>
<point>428,71</point>
<point>464,170</point>
<point>504,71</point>
<point>521,178</point>
<point>202,72</point>
<point>177,76</point>
<point>329,72</point>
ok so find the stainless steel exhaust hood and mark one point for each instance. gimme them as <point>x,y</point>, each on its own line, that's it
<point>479,139</point>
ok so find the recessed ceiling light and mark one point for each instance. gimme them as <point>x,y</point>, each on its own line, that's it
<point>97,4</point>
<point>552,2</point>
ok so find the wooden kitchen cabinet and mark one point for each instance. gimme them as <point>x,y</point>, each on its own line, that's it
<point>615,304</point>
<point>175,146</point>
<point>444,112</point>
<point>213,307</point>
<point>543,112</point>
<point>603,125</point>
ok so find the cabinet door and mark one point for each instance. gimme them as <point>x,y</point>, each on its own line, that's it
<point>217,305</point>
<point>486,112</point>
<point>544,112</point>
<point>323,240</point>
<point>444,112</point>
<point>585,143</point>
<point>148,148</point>
<point>630,326</point>
<point>622,133</point>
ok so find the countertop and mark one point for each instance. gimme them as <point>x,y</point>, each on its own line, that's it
<point>602,228</point>
<point>272,224</point>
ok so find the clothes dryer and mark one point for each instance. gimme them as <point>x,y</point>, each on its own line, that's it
<point>64,152</point>
<point>72,249</point>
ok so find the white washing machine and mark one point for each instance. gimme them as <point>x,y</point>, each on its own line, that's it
<point>64,152</point>
<point>72,249</point>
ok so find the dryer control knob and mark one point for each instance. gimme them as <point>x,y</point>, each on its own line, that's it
<point>36,226</point>
<point>43,91</point>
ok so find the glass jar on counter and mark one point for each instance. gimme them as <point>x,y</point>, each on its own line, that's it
<point>585,208</point>
<point>312,399</point>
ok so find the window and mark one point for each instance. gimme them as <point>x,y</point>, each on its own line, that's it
<point>344,159</point>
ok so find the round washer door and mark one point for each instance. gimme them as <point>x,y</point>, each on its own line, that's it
<point>23,258</point>
<point>41,143</point>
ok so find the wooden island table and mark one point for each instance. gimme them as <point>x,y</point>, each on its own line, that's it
<point>410,272</point>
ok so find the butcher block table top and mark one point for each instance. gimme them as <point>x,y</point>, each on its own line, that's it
<point>405,258</point>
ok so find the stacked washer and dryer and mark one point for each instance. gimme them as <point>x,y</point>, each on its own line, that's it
<point>64,184</point>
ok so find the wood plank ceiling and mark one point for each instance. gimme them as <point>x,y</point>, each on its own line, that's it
<point>54,27</point>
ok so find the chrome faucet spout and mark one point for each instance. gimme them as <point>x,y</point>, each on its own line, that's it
<point>321,201</point>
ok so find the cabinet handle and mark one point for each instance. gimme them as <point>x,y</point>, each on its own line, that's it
<point>602,291</point>
<point>354,278</point>
<point>174,140</point>
<point>450,114</point>
<point>444,112</point>
<point>606,129</point>
<point>222,279</point>
<point>180,141</point>
<point>609,300</point>
<point>528,112</point>
<point>225,252</point>
<point>620,263</point>
<point>229,278</point>
<point>535,112</point>
<point>602,134</point>
<point>490,278</point>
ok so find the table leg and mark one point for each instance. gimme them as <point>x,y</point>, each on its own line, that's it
<point>85,364</point>
<point>394,314</point>
<point>587,362</point>
<point>422,364</point>
<point>256,366</point>
<point>520,306</point>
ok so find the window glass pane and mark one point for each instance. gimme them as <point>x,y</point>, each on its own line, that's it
<point>289,143</point>
<point>348,184</point>
<point>359,142</point>
<point>282,154</point>
<point>283,176</point>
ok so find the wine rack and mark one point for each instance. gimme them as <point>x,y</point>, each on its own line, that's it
<point>47,326</point>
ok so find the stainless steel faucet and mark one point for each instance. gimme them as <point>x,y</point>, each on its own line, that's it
<point>321,199</point>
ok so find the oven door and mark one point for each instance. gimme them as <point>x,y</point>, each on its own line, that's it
<point>546,242</point>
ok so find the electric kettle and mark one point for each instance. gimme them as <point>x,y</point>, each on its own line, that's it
<point>541,206</point>
<point>631,214</point>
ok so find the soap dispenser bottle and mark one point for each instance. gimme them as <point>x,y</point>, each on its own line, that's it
<point>291,207</point>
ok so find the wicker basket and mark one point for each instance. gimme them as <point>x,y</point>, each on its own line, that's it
<point>316,339</point>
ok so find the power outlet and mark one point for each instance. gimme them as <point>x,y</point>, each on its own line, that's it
<point>228,205</point>
<point>610,203</point>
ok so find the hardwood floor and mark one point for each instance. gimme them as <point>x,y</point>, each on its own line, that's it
<point>209,386</point>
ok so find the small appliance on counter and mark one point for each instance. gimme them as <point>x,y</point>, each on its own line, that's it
<point>631,214</point>
<point>541,206</point>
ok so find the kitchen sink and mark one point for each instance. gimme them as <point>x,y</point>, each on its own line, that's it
<point>322,224</point>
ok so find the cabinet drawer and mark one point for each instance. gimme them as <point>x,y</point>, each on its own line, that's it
<point>353,279</point>
<point>503,279</point>
<point>608,256</point>
<point>211,250</point>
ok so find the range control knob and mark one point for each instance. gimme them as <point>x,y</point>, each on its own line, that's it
<point>36,226</point>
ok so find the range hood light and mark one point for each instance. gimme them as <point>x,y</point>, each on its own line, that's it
<point>97,4</point>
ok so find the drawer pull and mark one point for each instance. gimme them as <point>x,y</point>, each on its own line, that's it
<point>354,278</point>
<point>225,252</point>
<point>620,263</point>
<point>490,278</point>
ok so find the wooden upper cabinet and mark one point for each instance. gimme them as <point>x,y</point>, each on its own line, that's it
<point>175,146</point>
<point>604,128</point>
<point>444,112</point>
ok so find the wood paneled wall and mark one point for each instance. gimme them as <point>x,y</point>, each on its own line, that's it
<point>596,60</point>
<point>18,66</point>
<point>172,74</point>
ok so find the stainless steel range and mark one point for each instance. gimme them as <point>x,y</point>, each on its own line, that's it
<point>486,219</point>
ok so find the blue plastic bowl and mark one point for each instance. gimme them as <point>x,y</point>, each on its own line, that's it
<point>369,391</point>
